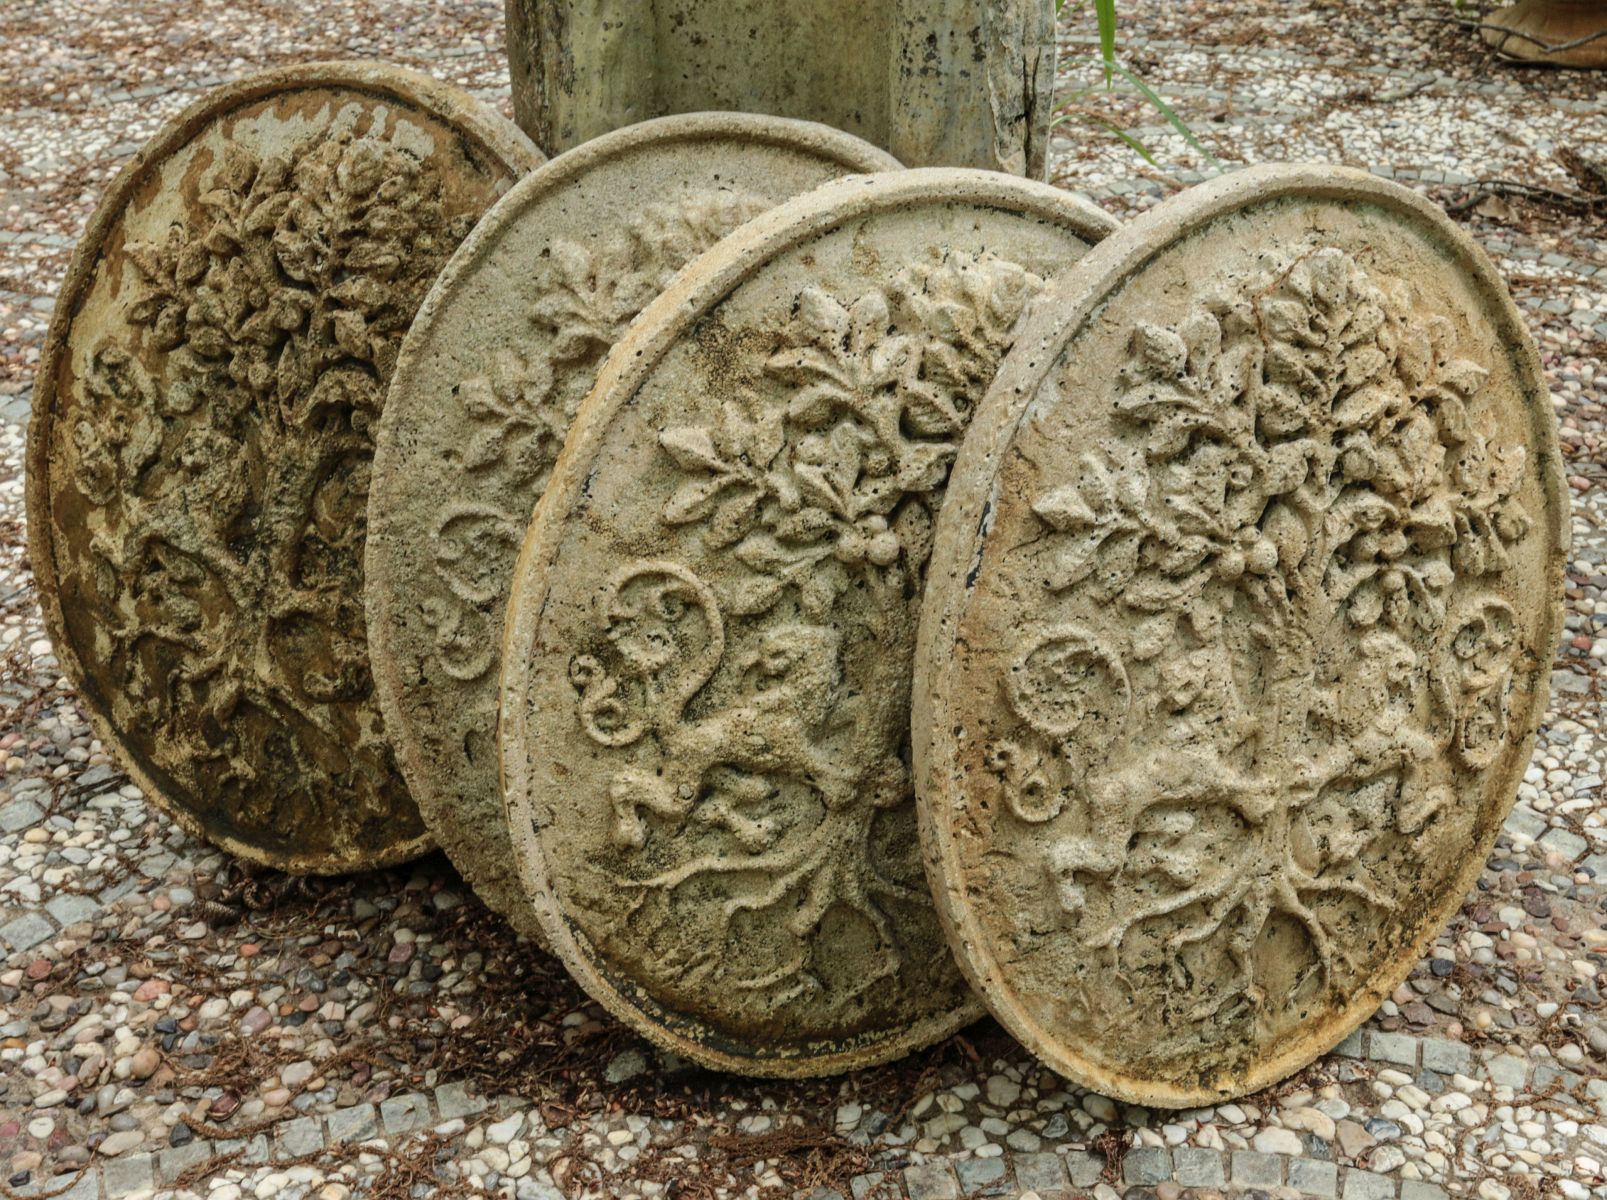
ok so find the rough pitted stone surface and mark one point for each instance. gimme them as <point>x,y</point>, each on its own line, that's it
<point>705,703</point>
<point>953,83</point>
<point>1241,623</point>
<point>500,357</point>
<point>202,434</point>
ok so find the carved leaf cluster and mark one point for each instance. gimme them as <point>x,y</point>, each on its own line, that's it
<point>838,473</point>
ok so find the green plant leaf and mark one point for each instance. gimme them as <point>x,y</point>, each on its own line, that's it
<point>1165,109</point>
<point>1105,11</point>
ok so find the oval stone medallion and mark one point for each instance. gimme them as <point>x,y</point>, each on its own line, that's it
<point>500,357</point>
<point>1241,621</point>
<point>203,426</point>
<point>705,701</point>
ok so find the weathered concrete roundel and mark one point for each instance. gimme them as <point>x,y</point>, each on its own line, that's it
<point>1241,616</point>
<point>203,425</point>
<point>500,357</point>
<point>705,686</point>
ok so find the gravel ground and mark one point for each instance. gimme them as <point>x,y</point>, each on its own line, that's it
<point>171,1022</point>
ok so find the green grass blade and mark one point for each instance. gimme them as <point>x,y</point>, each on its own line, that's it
<point>1136,146</point>
<point>1105,10</point>
<point>1165,109</point>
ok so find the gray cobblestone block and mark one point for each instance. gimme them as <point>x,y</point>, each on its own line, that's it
<point>18,815</point>
<point>1351,1047</point>
<point>1365,1185</point>
<point>1569,845</point>
<point>26,932</point>
<point>861,1186</point>
<point>1197,1167</point>
<point>403,1114</point>
<point>1254,1169</point>
<point>1417,1189</point>
<point>824,1193</point>
<point>1311,1178</point>
<point>931,1181</point>
<point>87,1187</point>
<point>1084,1168</point>
<point>982,1176</point>
<point>1523,821</point>
<point>1398,1048</point>
<point>173,1162</point>
<point>135,1173</point>
<point>1508,1070</point>
<point>301,1136</point>
<point>1545,1074</point>
<point>353,1124</point>
<point>118,890</point>
<point>1147,1165</point>
<point>253,1153</point>
<point>1040,1172</point>
<point>1447,1057</point>
<point>71,908</point>
<point>458,1100</point>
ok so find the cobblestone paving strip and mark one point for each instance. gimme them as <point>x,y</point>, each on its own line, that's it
<point>171,1025</point>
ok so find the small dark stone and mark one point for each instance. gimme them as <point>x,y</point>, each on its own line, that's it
<point>1384,1131</point>
<point>167,1025</point>
<point>182,1135</point>
<point>1441,967</point>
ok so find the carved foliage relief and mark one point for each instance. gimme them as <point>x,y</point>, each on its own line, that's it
<point>516,414</point>
<point>1270,642</point>
<point>753,694</point>
<point>219,433</point>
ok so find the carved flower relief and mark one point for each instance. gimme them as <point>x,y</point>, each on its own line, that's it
<point>1073,694</point>
<point>120,434</point>
<point>517,424</point>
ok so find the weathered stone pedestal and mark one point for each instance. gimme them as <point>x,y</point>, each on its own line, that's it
<point>964,83</point>
<point>1529,27</point>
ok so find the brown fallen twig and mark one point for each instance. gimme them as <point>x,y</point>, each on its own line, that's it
<point>1483,189</point>
<point>1545,46</point>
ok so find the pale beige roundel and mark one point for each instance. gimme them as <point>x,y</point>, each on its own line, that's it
<point>705,686</point>
<point>1240,623</point>
<point>203,426</point>
<point>500,357</point>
